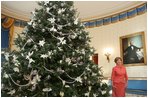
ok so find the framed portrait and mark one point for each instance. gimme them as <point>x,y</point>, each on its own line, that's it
<point>133,49</point>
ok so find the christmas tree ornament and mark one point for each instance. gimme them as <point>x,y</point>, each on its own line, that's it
<point>60,11</point>
<point>46,2</point>
<point>16,69</point>
<point>39,21</point>
<point>31,60</point>
<point>6,75</point>
<point>11,92</point>
<point>44,56</point>
<point>87,94</point>
<point>29,55</point>
<point>61,93</point>
<point>41,43</point>
<point>67,86</point>
<point>43,30</point>
<point>48,9</point>
<point>79,79</point>
<point>53,29</point>
<point>47,89</point>
<point>76,21</point>
<point>6,56</point>
<point>52,20</point>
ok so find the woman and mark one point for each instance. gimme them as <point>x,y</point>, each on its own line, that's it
<point>119,79</point>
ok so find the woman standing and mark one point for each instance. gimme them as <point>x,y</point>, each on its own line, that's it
<point>119,79</point>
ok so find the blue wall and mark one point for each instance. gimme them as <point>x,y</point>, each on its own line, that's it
<point>136,84</point>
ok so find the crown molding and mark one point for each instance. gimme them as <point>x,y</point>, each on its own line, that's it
<point>14,14</point>
<point>113,13</point>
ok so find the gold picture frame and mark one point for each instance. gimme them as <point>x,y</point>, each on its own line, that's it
<point>133,49</point>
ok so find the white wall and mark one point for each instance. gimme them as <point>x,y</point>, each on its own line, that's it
<point>107,36</point>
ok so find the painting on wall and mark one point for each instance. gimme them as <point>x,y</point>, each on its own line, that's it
<point>133,49</point>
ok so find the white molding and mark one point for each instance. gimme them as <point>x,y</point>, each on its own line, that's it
<point>12,13</point>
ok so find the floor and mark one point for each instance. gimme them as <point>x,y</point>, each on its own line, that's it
<point>134,95</point>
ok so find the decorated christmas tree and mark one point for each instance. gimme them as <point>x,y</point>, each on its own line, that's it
<point>53,57</point>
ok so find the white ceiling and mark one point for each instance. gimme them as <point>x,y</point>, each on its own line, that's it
<point>86,9</point>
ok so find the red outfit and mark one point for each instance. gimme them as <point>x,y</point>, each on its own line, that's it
<point>119,81</point>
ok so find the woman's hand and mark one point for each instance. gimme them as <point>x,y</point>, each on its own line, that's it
<point>113,86</point>
<point>126,84</point>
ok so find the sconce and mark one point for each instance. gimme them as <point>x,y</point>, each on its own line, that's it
<point>107,57</point>
<point>107,53</point>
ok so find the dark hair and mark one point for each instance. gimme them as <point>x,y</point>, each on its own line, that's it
<point>117,58</point>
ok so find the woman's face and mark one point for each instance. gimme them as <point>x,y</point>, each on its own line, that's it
<point>119,62</point>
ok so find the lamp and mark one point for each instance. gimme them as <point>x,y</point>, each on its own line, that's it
<point>107,57</point>
<point>107,53</point>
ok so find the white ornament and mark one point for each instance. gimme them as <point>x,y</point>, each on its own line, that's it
<point>63,82</point>
<point>52,20</point>
<point>60,61</point>
<point>80,37</point>
<point>53,29</point>
<point>48,9</point>
<point>60,27</point>
<point>87,94</point>
<point>35,47</point>
<point>16,69</point>
<point>29,55</point>
<point>14,58</point>
<point>7,56</point>
<point>47,89</point>
<point>60,49</point>
<point>68,60</point>
<point>31,60</point>
<point>60,70</point>
<point>49,53</point>
<point>6,75</point>
<point>11,92</point>
<point>54,6</point>
<point>41,43</point>
<point>76,21</point>
<point>103,92</point>
<point>61,10</point>
<point>43,30</point>
<point>62,4</point>
<point>83,51</point>
<point>85,77</point>
<point>61,93</point>
<point>67,86</point>
<point>94,74</point>
<point>54,51</point>
<point>33,12</point>
<point>30,23</point>
<point>78,79</point>
<point>62,40</point>
<point>35,79</point>
<point>39,21</point>
<point>34,25</point>
<point>94,95</point>
<point>89,88</point>
<point>17,63</point>
<point>46,2</point>
<point>29,40</point>
<point>73,36</point>
<point>44,56</point>
<point>91,50</point>
<point>87,68</point>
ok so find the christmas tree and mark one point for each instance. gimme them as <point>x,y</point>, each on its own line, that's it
<point>53,57</point>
